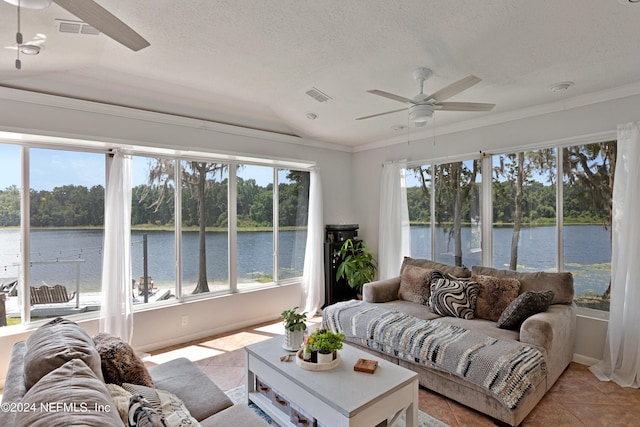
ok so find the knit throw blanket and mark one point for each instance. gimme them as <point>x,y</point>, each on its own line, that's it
<point>507,369</point>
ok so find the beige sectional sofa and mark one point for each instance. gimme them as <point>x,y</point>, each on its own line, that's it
<point>56,378</point>
<point>551,332</point>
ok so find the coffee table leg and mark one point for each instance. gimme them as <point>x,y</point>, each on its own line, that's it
<point>249,378</point>
<point>412,410</point>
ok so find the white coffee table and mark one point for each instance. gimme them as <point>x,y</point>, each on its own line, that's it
<point>338,397</point>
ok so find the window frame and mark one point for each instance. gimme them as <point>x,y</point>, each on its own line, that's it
<point>95,147</point>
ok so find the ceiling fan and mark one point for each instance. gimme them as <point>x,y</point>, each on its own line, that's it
<point>422,106</point>
<point>91,13</point>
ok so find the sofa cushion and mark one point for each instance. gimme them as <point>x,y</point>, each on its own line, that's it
<point>433,265</point>
<point>495,294</point>
<point>415,284</point>
<point>184,379</point>
<point>72,395</point>
<point>560,283</point>
<point>120,364</point>
<point>166,404</point>
<point>526,305</point>
<point>451,296</point>
<point>55,343</point>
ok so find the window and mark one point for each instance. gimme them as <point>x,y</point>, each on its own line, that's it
<point>153,225</point>
<point>587,193</point>
<point>255,225</point>
<point>10,259</point>
<point>419,203</point>
<point>205,242</point>
<point>67,225</point>
<point>457,212</point>
<point>293,204</point>
<point>524,210</point>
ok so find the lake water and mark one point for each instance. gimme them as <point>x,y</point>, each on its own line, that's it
<point>58,256</point>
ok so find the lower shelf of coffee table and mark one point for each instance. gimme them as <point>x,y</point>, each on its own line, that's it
<point>266,404</point>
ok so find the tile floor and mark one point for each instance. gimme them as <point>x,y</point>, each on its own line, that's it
<point>577,398</point>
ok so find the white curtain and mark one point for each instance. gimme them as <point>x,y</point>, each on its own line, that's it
<point>313,275</point>
<point>394,237</point>
<point>116,316</point>
<point>621,361</point>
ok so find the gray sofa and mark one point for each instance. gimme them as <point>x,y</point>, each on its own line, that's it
<point>552,332</point>
<point>63,385</point>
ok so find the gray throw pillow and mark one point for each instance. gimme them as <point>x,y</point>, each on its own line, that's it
<point>523,307</point>
<point>414,284</point>
<point>71,395</point>
<point>55,343</point>
<point>451,296</point>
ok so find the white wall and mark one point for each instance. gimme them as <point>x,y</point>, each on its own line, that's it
<point>593,119</point>
<point>55,117</point>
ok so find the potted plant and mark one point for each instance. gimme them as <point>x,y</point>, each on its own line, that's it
<point>294,328</point>
<point>358,264</point>
<point>326,343</point>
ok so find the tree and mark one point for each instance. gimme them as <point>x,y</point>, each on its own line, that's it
<point>198,176</point>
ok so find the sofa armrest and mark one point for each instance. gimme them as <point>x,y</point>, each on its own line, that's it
<point>381,290</point>
<point>552,331</point>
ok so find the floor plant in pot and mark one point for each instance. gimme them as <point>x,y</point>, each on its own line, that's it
<point>358,265</point>
<point>294,328</point>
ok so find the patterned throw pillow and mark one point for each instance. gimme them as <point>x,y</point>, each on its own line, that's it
<point>150,401</point>
<point>414,284</point>
<point>496,293</point>
<point>451,296</point>
<point>526,305</point>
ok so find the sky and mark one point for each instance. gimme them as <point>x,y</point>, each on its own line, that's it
<point>55,168</point>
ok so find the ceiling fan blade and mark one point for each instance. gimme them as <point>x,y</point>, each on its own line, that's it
<point>97,16</point>
<point>454,88</point>
<point>392,96</point>
<point>381,114</point>
<point>463,106</point>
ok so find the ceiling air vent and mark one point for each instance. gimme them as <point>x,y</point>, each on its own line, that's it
<point>76,27</point>
<point>318,95</point>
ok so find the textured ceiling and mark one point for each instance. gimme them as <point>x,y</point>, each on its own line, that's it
<point>250,62</point>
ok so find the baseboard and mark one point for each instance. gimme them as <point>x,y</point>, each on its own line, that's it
<point>584,360</point>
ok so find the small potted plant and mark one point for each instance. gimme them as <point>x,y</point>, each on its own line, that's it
<point>358,264</point>
<point>326,343</point>
<point>294,328</point>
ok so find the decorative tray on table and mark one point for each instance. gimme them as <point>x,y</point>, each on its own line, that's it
<point>316,366</point>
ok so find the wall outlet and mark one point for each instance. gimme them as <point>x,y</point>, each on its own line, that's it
<point>185,320</point>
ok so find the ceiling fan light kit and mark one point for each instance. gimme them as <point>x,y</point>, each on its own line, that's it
<point>420,113</point>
